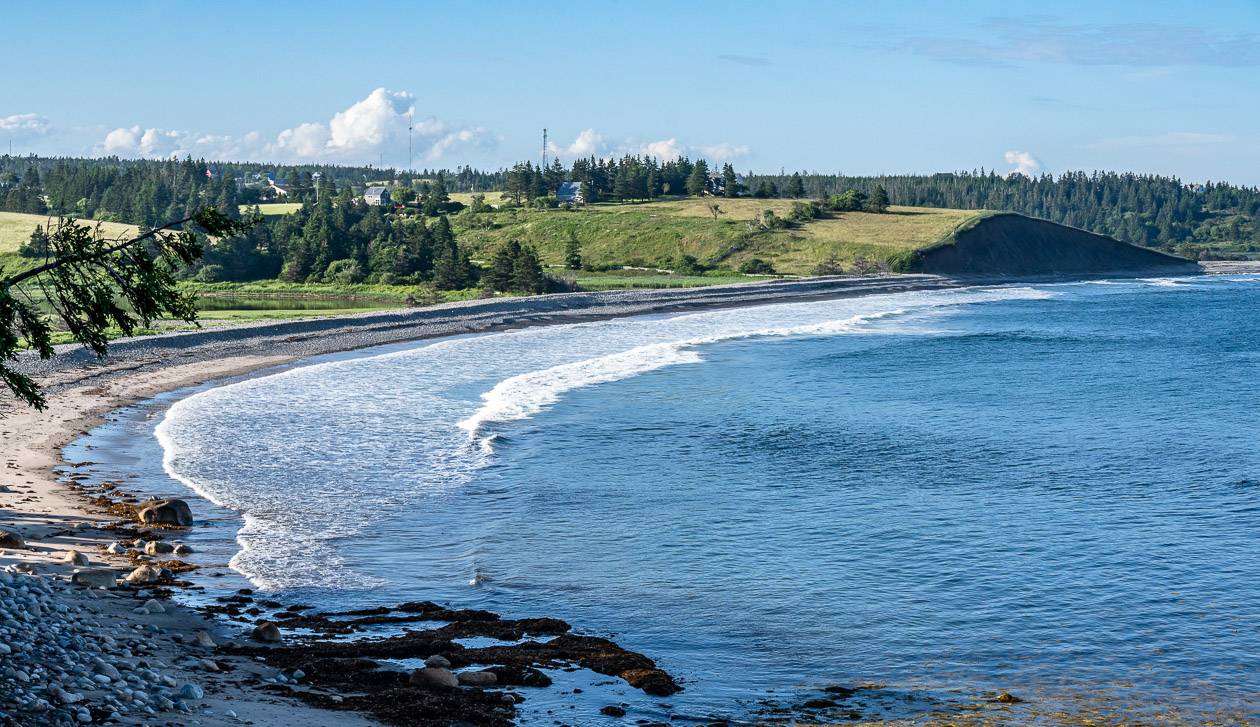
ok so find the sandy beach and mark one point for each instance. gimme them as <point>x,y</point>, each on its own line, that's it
<point>53,520</point>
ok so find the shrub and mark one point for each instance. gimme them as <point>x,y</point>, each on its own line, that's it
<point>343,272</point>
<point>756,266</point>
<point>829,266</point>
<point>209,274</point>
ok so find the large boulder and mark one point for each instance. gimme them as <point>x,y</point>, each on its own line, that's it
<point>433,676</point>
<point>477,678</point>
<point>157,547</point>
<point>266,632</point>
<point>75,557</point>
<point>144,574</point>
<point>165,512</point>
<point>95,578</point>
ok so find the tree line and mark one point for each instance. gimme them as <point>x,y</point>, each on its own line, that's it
<point>1148,210</point>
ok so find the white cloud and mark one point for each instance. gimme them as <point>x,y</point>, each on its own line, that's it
<point>724,152</point>
<point>24,125</point>
<point>359,133</point>
<point>665,149</point>
<point>588,143</point>
<point>1025,163</point>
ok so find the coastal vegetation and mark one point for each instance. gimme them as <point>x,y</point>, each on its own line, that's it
<point>94,283</point>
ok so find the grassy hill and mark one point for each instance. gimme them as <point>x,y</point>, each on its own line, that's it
<point>16,228</point>
<point>653,234</point>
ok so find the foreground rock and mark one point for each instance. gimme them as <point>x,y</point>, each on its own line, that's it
<point>10,539</point>
<point>165,512</point>
<point>62,664</point>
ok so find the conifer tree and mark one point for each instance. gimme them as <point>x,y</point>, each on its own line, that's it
<point>698,180</point>
<point>796,186</point>
<point>573,252</point>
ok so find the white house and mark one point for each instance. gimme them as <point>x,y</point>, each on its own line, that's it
<point>570,192</point>
<point>376,196</point>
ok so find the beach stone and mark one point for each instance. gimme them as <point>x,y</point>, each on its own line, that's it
<point>433,676</point>
<point>266,632</point>
<point>75,557</point>
<point>438,661</point>
<point>116,548</point>
<point>94,578</point>
<point>10,539</point>
<point>157,547</point>
<point>191,691</point>
<point>144,574</point>
<point>166,512</point>
<point>182,549</point>
<point>154,606</point>
<point>203,639</point>
<point>477,678</point>
<point>613,710</point>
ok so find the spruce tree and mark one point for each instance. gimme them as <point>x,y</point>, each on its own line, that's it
<point>878,201</point>
<point>796,186</point>
<point>573,252</point>
<point>528,274</point>
<point>730,183</point>
<point>698,180</point>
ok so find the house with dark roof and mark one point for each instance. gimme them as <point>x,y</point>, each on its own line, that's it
<point>377,196</point>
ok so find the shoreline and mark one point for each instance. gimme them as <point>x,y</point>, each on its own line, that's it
<point>81,392</point>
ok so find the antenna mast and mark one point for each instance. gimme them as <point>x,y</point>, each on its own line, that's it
<point>544,148</point>
<point>410,126</point>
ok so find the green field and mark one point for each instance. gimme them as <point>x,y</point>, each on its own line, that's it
<point>653,234</point>
<point>274,208</point>
<point>16,228</point>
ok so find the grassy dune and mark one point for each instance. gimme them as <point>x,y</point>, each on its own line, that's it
<point>654,233</point>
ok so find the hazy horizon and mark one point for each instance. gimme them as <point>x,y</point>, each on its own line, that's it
<point>914,88</point>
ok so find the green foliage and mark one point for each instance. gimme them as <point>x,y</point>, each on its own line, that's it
<point>687,265</point>
<point>516,269</point>
<point>796,186</point>
<point>730,182</point>
<point>803,212</point>
<point>94,285</point>
<point>573,252</point>
<point>828,266</point>
<point>851,201</point>
<point>878,203</point>
<point>756,266</point>
<point>37,245</point>
<point>698,181</point>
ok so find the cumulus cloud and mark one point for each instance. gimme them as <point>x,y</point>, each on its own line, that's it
<point>724,152</point>
<point>663,149</point>
<point>1025,163</point>
<point>590,142</point>
<point>24,125</point>
<point>375,124</point>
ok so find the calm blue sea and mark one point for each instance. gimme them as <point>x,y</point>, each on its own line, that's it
<point>1050,490</point>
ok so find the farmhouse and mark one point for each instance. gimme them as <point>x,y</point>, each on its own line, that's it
<point>570,192</point>
<point>376,196</point>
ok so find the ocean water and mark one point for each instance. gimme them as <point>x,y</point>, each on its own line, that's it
<point>1050,490</point>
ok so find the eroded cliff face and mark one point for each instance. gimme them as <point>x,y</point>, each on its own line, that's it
<point>1012,244</point>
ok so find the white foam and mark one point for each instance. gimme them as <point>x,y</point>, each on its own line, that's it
<point>314,456</point>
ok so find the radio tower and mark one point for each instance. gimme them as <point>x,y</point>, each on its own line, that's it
<point>544,166</point>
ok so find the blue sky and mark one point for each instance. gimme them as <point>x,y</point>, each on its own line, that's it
<point>1170,88</point>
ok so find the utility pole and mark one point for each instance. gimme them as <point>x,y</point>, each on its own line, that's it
<point>410,126</point>
<point>544,166</point>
